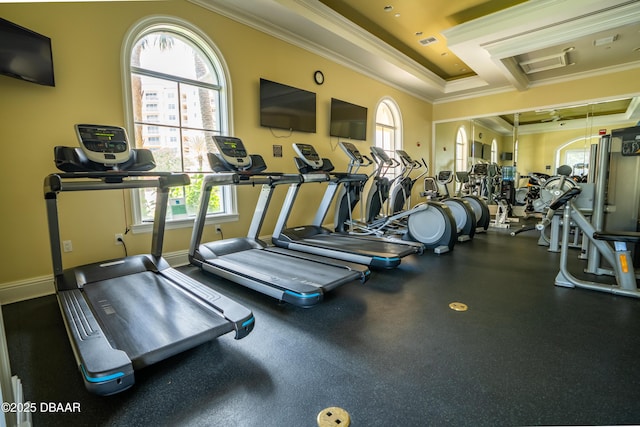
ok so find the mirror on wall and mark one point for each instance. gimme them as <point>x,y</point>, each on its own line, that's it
<point>533,142</point>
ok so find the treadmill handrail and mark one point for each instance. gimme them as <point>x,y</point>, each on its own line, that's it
<point>233,178</point>
<point>271,179</point>
<point>55,183</point>
<point>315,177</point>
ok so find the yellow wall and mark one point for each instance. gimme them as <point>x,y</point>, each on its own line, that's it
<point>87,40</point>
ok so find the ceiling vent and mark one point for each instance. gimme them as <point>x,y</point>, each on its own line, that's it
<point>428,41</point>
<point>604,41</point>
<point>545,63</point>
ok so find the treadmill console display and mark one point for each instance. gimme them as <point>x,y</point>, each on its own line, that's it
<point>403,155</point>
<point>107,145</point>
<point>352,152</point>
<point>232,151</point>
<point>445,177</point>
<point>381,154</point>
<point>308,154</point>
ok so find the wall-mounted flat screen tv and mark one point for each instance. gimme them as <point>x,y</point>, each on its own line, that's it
<point>475,149</point>
<point>348,120</point>
<point>486,152</point>
<point>25,54</point>
<point>287,107</point>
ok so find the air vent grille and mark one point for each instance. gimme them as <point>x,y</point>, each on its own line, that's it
<point>545,63</point>
<point>427,41</point>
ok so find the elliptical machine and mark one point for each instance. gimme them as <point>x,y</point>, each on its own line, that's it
<point>401,191</point>
<point>478,204</point>
<point>462,211</point>
<point>430,223</point>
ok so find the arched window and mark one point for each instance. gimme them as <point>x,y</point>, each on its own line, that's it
<point>388,129</point>
<point>462,144</point>
<point>177,89</point>
<point>494,151</point>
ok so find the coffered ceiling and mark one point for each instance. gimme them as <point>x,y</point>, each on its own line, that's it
<point>442,50</point>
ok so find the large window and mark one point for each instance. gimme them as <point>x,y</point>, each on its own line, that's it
<point>178,101</point>
<point>388,130</point>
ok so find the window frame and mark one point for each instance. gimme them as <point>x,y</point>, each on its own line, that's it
<point>201,40</point>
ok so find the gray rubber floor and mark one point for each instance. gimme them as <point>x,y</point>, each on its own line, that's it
<point>390,352</point>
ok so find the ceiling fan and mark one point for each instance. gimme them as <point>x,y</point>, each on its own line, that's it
<point>552,112</point>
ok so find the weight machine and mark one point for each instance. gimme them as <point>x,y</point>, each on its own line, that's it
<point>608,245</point>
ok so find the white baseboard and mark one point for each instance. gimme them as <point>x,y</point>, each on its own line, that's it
<point>26,289</point>
<point>177,259</point>
<point>35,287</point>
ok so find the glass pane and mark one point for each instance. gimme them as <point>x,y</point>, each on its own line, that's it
<point>384,116</point>
<point>195,146</point>
<point>154,100</point>
<point>170,53</point>
<point>191,196</point>
<point>199,107</point>
<point>164,143</point>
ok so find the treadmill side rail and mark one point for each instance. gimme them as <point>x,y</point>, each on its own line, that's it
<point>104,370</point>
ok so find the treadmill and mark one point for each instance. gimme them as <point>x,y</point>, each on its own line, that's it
<point>376,252</point>
<point>127,313</point>
<point>288,276</point>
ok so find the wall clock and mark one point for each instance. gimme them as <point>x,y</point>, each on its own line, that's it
<point>318,77</point>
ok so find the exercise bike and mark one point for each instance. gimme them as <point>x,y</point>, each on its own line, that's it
<point>431,224</point>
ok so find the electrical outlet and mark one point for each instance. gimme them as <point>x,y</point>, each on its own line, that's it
<point>67,246</point>
<point>119,238</point>
<point>218,228</point>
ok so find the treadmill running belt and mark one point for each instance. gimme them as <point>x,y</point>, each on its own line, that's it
<point>349,243</point>
<point>287,272</point>
<point>149,318</point>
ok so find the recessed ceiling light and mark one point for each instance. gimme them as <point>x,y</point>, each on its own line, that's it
<point>397,15</point>
<point>388,8</point>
